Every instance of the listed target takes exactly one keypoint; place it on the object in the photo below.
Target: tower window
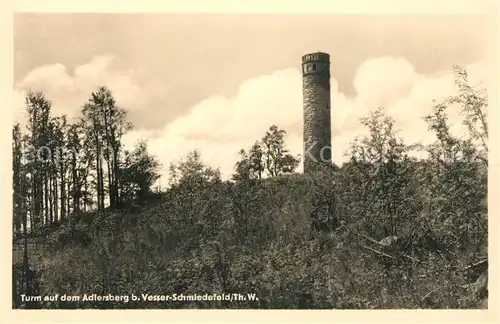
(314, 67)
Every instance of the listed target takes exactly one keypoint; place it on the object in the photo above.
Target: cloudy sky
(217, 82)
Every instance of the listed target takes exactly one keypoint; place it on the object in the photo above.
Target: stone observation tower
(316, 101)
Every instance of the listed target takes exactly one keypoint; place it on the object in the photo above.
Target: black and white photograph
(250, 161)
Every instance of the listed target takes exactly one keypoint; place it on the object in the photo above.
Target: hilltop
(383, 230)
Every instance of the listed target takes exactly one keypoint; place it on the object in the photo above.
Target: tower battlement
(316, 57)
(316, 63)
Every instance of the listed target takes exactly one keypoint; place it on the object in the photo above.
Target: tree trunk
(100, 182)
(38, 200)
(75, 182)
(46, 197)
(51, 199)
(116, 174)
(63, 192)
(110, 185)
(56, 197)
(69, 208)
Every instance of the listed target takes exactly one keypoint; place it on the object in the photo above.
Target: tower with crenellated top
(316, 101)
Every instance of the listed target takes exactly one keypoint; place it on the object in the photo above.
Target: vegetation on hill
(384, 230)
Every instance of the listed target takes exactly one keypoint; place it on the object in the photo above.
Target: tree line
(61, 167)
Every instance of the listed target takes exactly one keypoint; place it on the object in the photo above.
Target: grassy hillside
(256, 237)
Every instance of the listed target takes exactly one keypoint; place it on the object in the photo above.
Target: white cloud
(382, 81)
(219, 127)
(259, 103)
(68, 92)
